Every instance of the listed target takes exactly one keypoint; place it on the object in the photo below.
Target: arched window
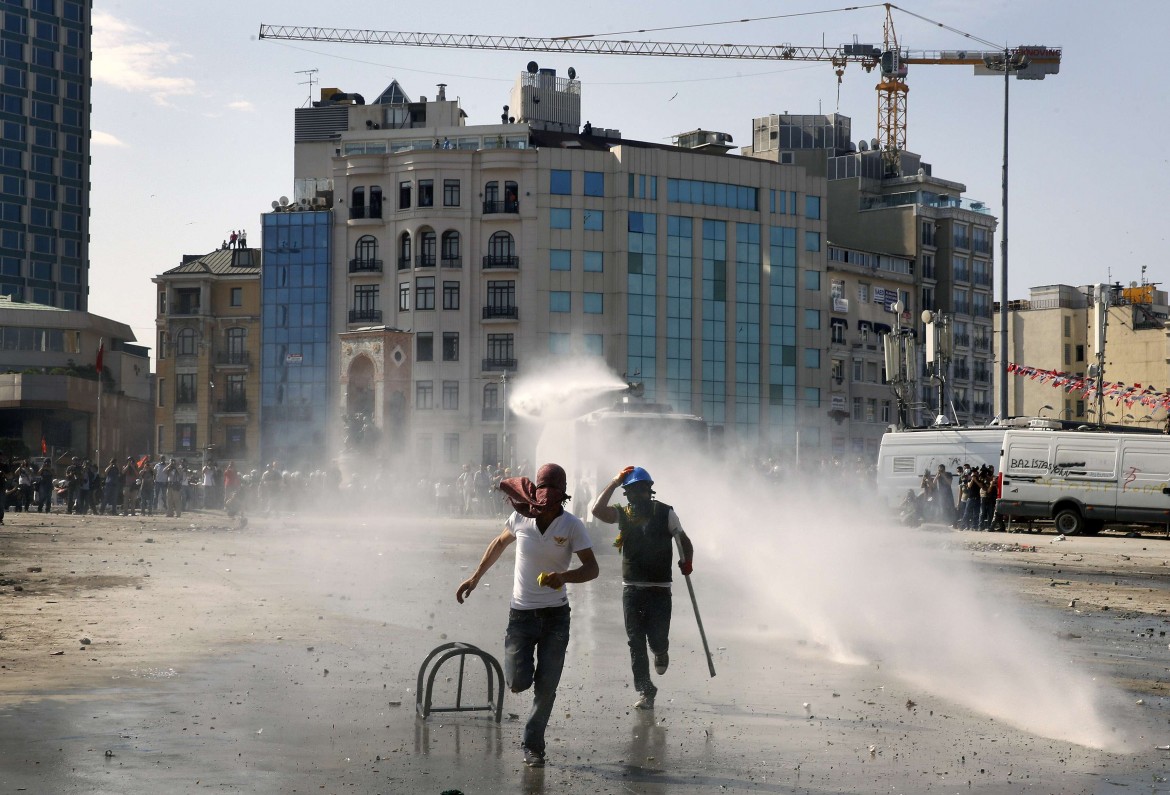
(404, 251)
(452, 258)
(426, 248)
(501, 251)
(511, 197)
(491, 192)
(185, 341)
(365, 253)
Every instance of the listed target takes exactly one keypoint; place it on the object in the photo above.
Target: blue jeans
(544, 631)
(647, 615)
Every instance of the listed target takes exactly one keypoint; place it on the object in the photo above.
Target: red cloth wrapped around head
(528, 498)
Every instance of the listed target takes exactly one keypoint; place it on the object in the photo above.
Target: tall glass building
(295, 374)
(44, 151)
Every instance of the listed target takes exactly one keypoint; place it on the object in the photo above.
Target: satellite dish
(863, 145)
(572, 73)
(927, 316)
(533, 67)
(276, 205)
(284, 201)
(873, 144)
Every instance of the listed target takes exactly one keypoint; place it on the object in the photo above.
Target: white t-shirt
(551, 550)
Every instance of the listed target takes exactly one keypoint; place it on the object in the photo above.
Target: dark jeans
(647, 614)
(546, 632)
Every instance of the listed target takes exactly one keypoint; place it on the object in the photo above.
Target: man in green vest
(647, 530)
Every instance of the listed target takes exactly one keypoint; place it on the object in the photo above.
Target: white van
(905, 455)
(1085, 479)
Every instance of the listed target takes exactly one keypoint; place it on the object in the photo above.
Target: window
(491, 195)
(424, 395)
(185, 389)
(365, 252)
(186, 342)
(812, 241)
(499, 348)
(559, 301)
(501, 297)
(560, 218)
(560, 259)
(450, 295)
(558, 343)
(594, 344)
(560, 182)
(593, 303)
(1067, 326)
(424, 346)
(812, 318)
(812, 207)
(404, 297)
(451, 395)
(858, 371)
(162, 391)
(451, 448)
(426, 193)
(1080, 353)
(862, 293)
(424, 295)
(404, 251)
(404, 195)
(237, 298)
(594, 183)
(812, 358)
(450, 193)
(502, 250)
(838, 371)
(594, 221)
(594, 262)
(426, 249)
(375, 210)
(365, 302)
(185, 438)
(450, 250)
(812, 280)
(450, 346)
(237, 339)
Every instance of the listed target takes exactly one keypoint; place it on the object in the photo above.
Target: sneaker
(533, 758)
(645, 702)
(661, 661)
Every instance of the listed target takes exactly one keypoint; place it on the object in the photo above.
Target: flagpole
(97, 442)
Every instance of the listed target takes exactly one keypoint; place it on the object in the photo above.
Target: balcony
(501, 313)
(492, 414)
(963, 373)
(404, 263)
(982, 344)
(186, 308)
(493, 207)
(490, 365)
(497, 261)
(358, 213)
(982, 375)
(451, 262)
(233, 358)
(365, 316)
(232, 405)
(365, 266)
(186, 397)
(963, 340)
(425, 261)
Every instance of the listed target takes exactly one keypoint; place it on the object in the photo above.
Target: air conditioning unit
(320, 201)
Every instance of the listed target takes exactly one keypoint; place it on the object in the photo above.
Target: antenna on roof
(310, 82)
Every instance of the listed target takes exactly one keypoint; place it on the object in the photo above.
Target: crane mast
(890, 59)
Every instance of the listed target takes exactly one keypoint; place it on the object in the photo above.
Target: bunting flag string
(1089, 388)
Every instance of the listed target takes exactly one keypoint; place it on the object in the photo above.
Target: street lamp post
(507, 456)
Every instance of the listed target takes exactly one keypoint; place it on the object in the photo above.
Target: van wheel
(1069, 521)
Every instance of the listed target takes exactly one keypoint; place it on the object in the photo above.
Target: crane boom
(890, 59)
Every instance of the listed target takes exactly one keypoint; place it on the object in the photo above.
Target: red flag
(101, 354)
(143, 460)
(44, 447)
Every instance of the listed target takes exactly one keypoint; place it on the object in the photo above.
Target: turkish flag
(44, 447)
(101, 354)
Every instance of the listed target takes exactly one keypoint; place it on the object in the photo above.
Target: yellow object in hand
(617, 542)
(542, 579)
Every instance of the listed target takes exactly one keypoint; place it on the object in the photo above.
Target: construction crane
(890, 59)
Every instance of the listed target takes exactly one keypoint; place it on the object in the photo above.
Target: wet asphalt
(324, 700)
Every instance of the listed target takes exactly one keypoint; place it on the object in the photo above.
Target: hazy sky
(192, 114)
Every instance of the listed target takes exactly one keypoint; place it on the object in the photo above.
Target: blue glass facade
(44, 152)
(641, 317)
(782, 413)
(294, 376)
(714, 374)
(747, 328)
(680, 244)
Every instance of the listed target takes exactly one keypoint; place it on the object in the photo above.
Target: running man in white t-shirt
(547, 536)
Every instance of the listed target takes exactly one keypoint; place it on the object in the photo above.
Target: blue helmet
(639, 475)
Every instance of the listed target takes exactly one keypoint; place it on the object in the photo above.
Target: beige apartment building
(1058, 329)
(501, 247)
(207, 379)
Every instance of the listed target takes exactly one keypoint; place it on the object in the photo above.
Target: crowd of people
(936, 502)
